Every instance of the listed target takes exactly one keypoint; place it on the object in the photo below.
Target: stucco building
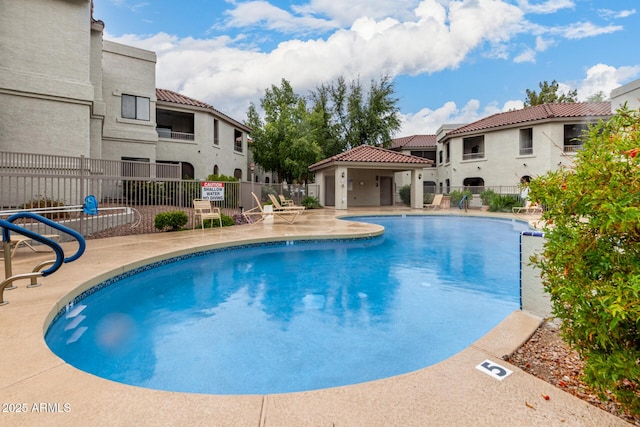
(66, 91)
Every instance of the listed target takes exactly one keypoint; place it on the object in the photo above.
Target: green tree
(281, 142)
(590, 264)
(549, 95)
(353, 116)
(598, 97)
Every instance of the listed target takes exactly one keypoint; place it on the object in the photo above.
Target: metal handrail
(7, 226)
(75, 208)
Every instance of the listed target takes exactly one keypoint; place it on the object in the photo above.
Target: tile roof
(166, 95)
(371, 154)
(538, 113)
(414, 141)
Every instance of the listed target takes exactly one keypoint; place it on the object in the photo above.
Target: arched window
(215, 169)
(238, 174)
(187, 171)
(476, 185)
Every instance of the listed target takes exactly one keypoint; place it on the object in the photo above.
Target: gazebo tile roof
(371, 154)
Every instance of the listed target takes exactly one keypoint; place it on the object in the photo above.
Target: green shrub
(144, 192)
(221, 178)
(486, 196)
(310, 202)
(405, 195)
(172, 221)
(590, 264)
(456, 196)
(504, 202)
(427, 198)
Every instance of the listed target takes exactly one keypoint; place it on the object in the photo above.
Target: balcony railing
(572, 148)
(168, 134)
(471, 156)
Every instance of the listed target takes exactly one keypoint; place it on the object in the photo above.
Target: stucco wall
(629, 93)
(502, 163)
(45, 89)
(130, 71)
(533, 298)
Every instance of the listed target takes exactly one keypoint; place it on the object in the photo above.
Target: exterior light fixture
(343, 174)
(419, 176)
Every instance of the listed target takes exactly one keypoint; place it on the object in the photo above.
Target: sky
(451, 61)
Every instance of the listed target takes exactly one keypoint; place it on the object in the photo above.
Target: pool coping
(452, 392)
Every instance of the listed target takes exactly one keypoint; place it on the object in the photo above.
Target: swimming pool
(293, 316)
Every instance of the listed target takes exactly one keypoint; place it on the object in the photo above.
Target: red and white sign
(213, 191)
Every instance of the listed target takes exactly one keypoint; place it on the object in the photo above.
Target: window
(526, 141)
(473, 148)
(572, 135)
(216, 132)
(430, 154)
(237, 138)
(135, 107)
(440, 160)
(475, 185)
(448, 153)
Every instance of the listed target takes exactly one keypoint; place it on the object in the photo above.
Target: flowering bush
(590, 264)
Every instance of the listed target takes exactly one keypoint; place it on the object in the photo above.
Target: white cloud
(428, 121)
(347, 12)
(608, 13)
(582, 30)
(217, 72)
(604, 78)
(549, 6)
(528, 55)
(438, 35)
(543, 44)
(264, 15)
(133, 6)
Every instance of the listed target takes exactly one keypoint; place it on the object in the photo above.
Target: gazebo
(364, 176)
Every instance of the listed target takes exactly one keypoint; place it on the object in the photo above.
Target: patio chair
(528, 208)
(435, 203)
(288, 213)
(285, 202)
(255, 214)
(19, 241)
(202, 209)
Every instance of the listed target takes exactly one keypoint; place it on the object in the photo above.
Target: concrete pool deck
(39, 389)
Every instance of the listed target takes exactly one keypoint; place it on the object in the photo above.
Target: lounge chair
(18, 241)
(528, 208)
(202, 209)
(255, 214)
(288, 213)
(285, 202)
(435, 204)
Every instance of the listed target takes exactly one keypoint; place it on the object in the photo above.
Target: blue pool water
(300, 315)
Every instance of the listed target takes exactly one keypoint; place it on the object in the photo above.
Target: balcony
(169, 134)
(472, 156)
(572, 148)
